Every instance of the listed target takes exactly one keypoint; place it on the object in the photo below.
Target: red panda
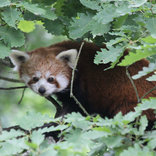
(48, 71)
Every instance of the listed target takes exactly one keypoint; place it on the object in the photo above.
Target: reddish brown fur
(105, 92)
(38, 63)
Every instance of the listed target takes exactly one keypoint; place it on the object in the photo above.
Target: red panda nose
(41, 90)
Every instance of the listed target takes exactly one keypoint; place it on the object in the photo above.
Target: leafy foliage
(115, 23)
(120, 25)
(105, 56)
(84, 23)
(11, 16)
(140, 54)
(83, 135)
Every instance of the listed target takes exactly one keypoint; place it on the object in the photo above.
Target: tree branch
(10, 80)
(132, 82)
(151, 90)
(72, 81)
(19, 102)
(17, 127)
(12, 88)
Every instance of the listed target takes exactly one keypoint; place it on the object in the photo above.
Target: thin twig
(72, 81)
(10, 80)
(12, 88)
(19, 102)
(151, 90)
(136, 92)
(132, 82)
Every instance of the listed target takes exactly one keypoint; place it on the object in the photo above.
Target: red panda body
(104, 92)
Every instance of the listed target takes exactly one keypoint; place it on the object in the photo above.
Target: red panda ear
(18, 57)
(69, 56)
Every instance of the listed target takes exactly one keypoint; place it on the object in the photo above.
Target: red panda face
(43, 71)
(46, 84)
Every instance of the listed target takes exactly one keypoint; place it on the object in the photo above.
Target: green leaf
(115, 41)
(49, 14)
(147, 104)
(54, 27)
(106, 15)
(152, 78)
(78, 140)
(137, 151)
(151, 26)
(113, 141)
(39, 10)
(31, 145)
(140, 54)
(104, 128)
(37, 137)
(32, 120)
(143, 124)
(150, 135)
(107, 56)
(4, 50)
(13, 146)
(58, 6)
(137, 3)
(50, 151)
(145, 71)
(99, 29)
(26, 26)
(131, 116)
(109, 12)
(84, 23)
(149, 39)
(78, 121)
(4, 3)
(119, 21)
(12, 37)
(6, 135)
(152, 143)
(11, 16)
(33, 8)
(52, 128)
(94, 5)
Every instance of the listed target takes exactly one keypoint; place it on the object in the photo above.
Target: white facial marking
(63, 82)
(50, 88)
(38, 74)
(47, 74)
(25, 78)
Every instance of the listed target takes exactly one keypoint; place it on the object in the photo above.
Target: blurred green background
(10, 109)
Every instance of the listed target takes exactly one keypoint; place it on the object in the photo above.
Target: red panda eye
(35, 79)
(50, 79)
